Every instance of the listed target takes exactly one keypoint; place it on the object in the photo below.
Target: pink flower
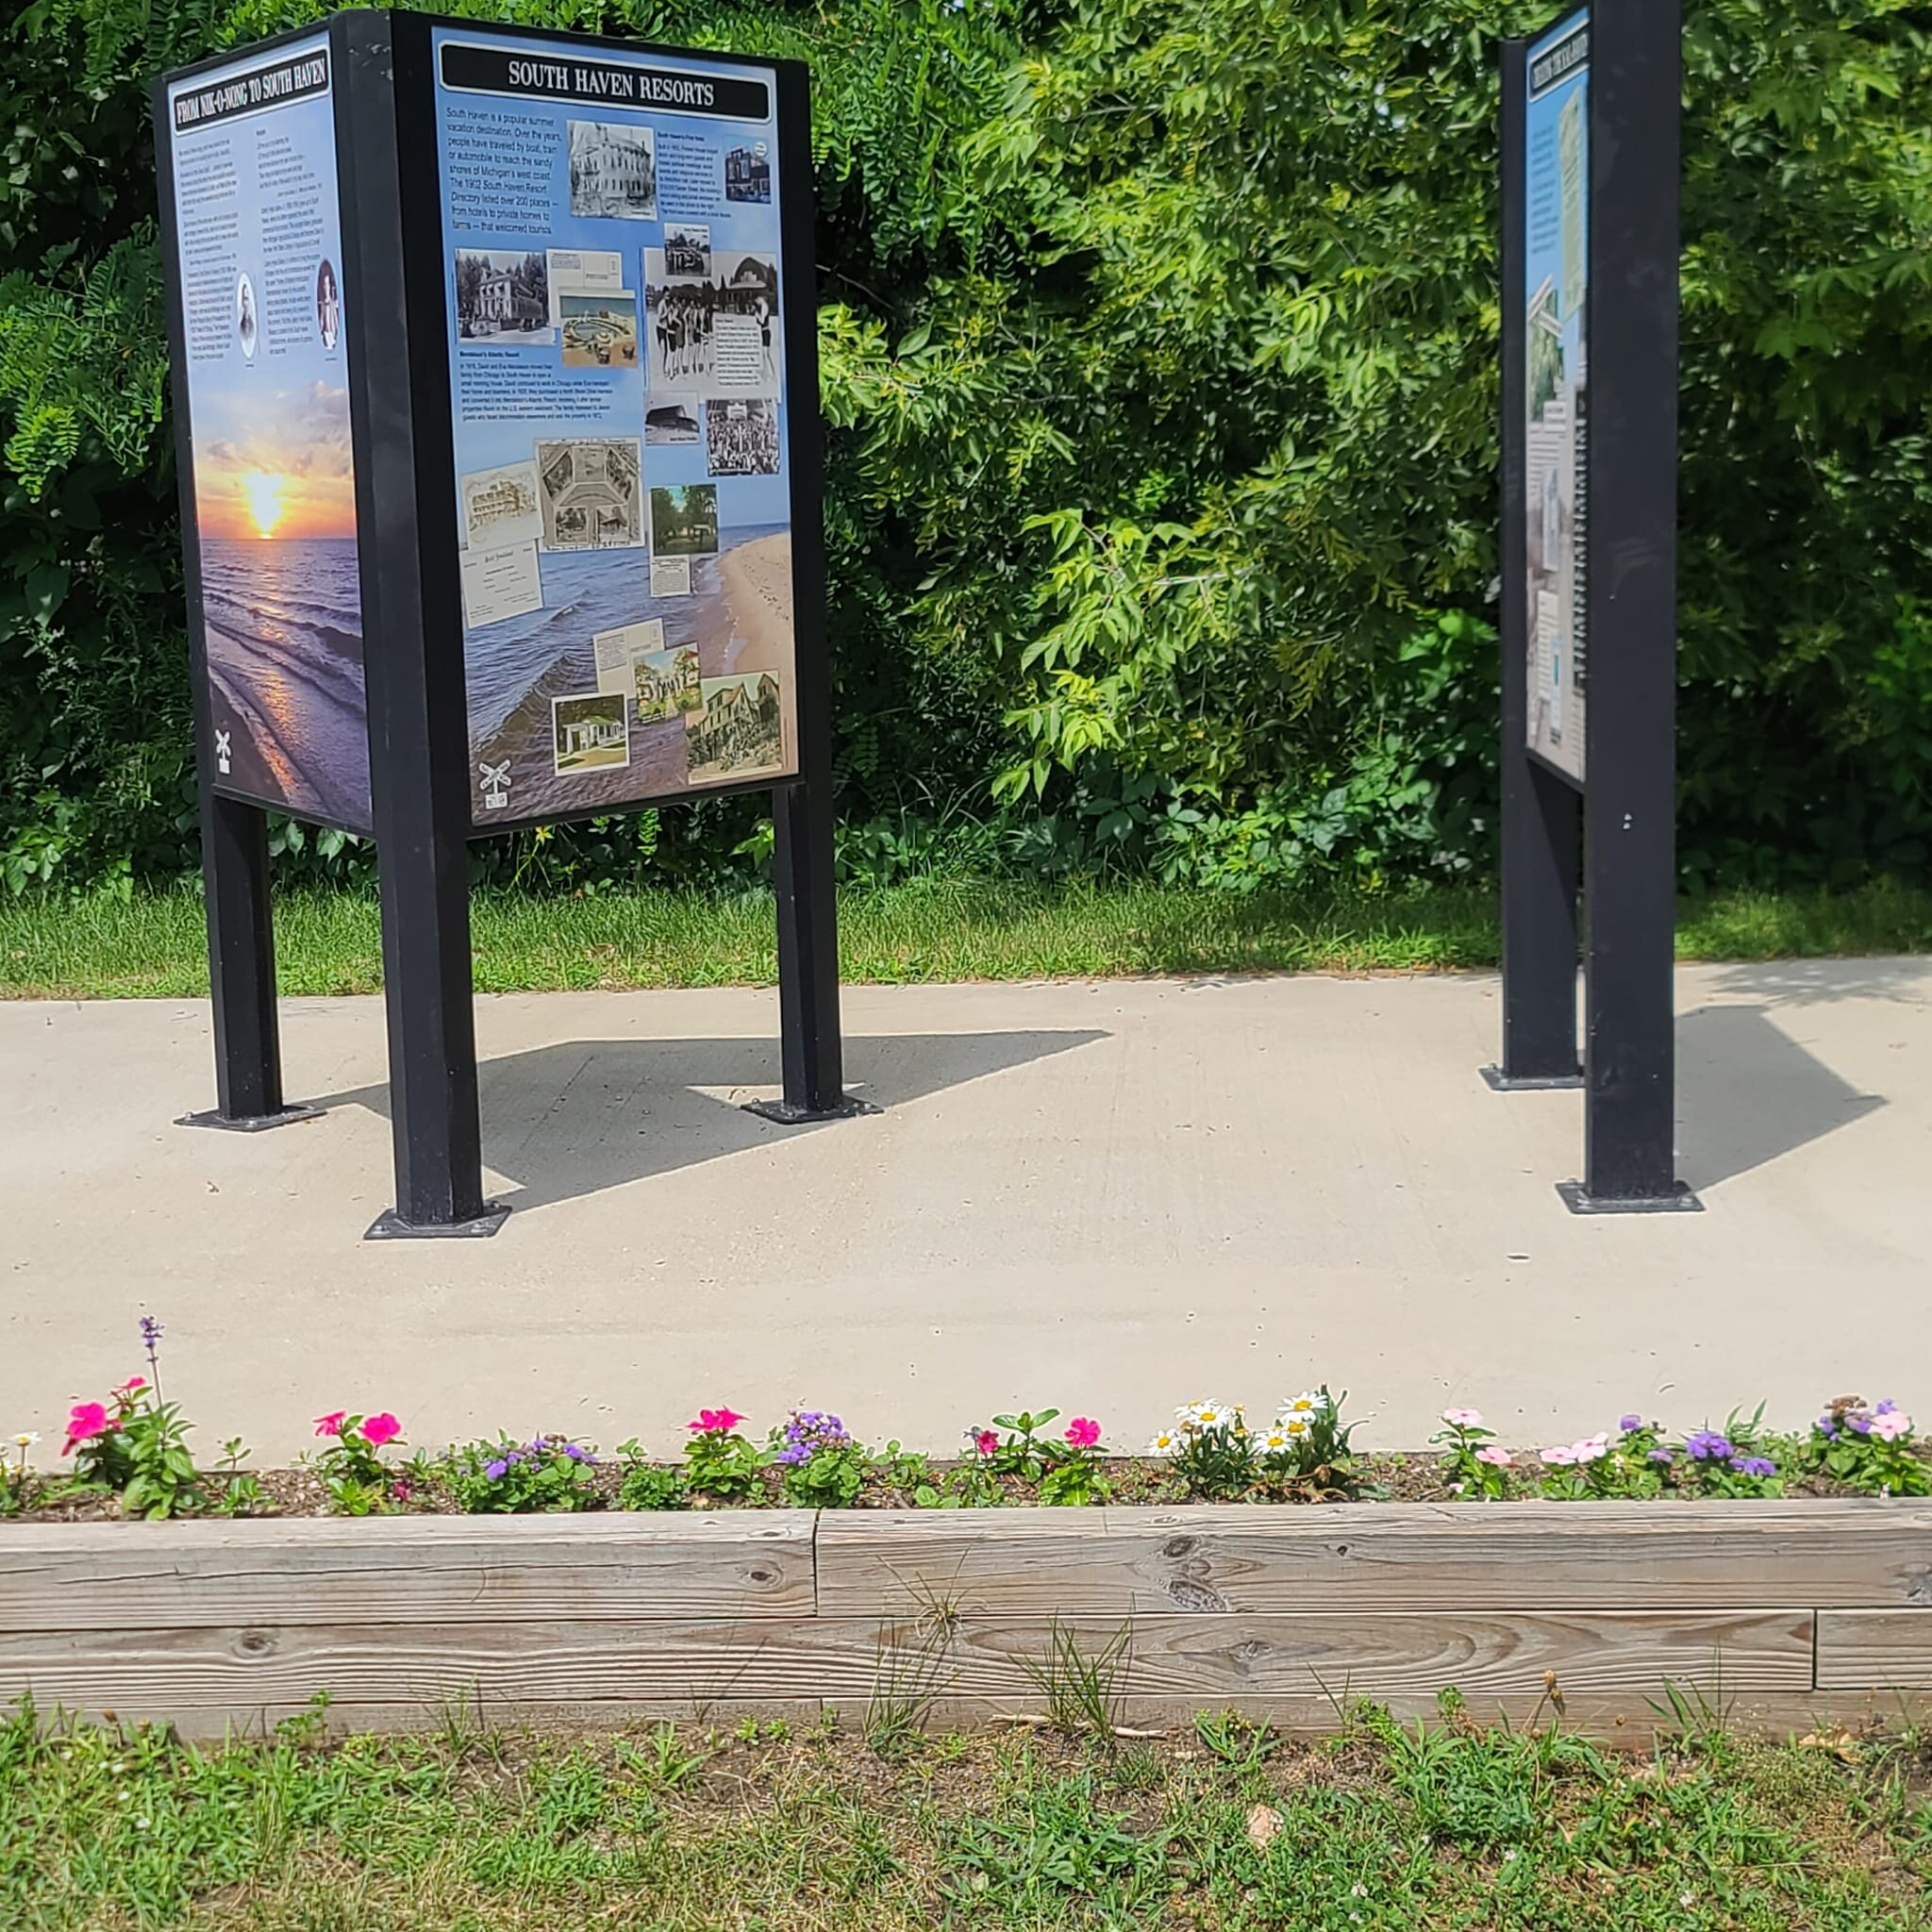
(85, 1421)
(1892, 1426)
(1494, 1454)
(378, 1430)
(1592, 1449)
(1561, 1456)
(1463, 1418)
(986, 1441)
(715, 1421)
(401, 1490)
(129, 1386)
(330, 1424)
(1082, 1432)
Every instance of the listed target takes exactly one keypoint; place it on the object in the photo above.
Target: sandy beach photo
(756, 581)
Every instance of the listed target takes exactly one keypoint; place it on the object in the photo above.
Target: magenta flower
(986, 1441)
(1083, 1432)
(330, 1424)
(85, 1421)
(378, 1430)
(715, 1421)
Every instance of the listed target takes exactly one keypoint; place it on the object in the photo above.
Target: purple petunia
(1662, 1456)
(1630, 1424)
(496, 1470)
(1706, 1446)
(1754, 1465)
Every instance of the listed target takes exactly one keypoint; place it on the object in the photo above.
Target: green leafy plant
(135, 1444)
(1870, 1447)
(1074, 1475)
(1307, 1445)
(820, 1465)
(359, 1481)
(719, 1463)
(1013, 1446)
(508, 1478)
(646, 1484)
(1474, 1462)
(1212, 1450)
(909, 1473)
(1732, 1461)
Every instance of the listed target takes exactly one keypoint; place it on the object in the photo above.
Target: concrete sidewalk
(1110, 1197)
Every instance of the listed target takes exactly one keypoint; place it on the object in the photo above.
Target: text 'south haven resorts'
(618, 387)
(1556, 391)
(265, 379)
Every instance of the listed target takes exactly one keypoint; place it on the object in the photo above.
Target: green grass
(1220, 1829)
(937, 929)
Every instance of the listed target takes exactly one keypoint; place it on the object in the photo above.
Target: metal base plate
(390, 1226)
(1530, 1083)
(1679, 1201)
(251, 1123)
(849, 1107)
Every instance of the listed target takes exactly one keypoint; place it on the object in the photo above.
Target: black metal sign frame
(1622, 815)
(397, 331)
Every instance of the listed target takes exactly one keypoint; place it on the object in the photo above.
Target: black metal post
(1630, 799)
(812, 1046)
(241, 970)
(405, 491)
(1540, 822)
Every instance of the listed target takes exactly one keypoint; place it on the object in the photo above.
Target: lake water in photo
(283, 620)
(515, 667)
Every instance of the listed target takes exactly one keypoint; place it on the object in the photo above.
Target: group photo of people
(685, 312)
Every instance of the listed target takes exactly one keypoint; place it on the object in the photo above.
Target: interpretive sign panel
(610, 229)
(264, 382)
(1555, 213)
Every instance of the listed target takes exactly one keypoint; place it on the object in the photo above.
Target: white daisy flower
(1294, 1426)
(1275, 1440)
(1208, 1415)
(25, 1440)
(1165, 1442)
(1310, 1402)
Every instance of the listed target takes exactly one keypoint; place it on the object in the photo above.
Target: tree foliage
(1160, 344)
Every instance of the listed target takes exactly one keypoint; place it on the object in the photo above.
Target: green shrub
(1159, 347)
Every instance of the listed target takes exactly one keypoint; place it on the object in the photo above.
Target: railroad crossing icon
(221, 752)
(495, 780)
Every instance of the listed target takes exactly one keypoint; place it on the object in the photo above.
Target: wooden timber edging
(1787, 1615)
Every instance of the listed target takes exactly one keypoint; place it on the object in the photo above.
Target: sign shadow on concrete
(1749, 1093)
(580, 1116)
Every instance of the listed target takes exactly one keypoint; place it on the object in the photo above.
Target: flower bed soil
(1390, 1477)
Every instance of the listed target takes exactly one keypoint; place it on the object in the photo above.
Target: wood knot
(1188, 1593)
(1180, 1546)
(254, 1642)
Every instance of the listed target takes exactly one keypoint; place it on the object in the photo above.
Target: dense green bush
(1159, 344)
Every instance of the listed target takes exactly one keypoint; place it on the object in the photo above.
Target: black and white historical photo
(589, 490)
(613, 171)
(741, 435)
(503, 295)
